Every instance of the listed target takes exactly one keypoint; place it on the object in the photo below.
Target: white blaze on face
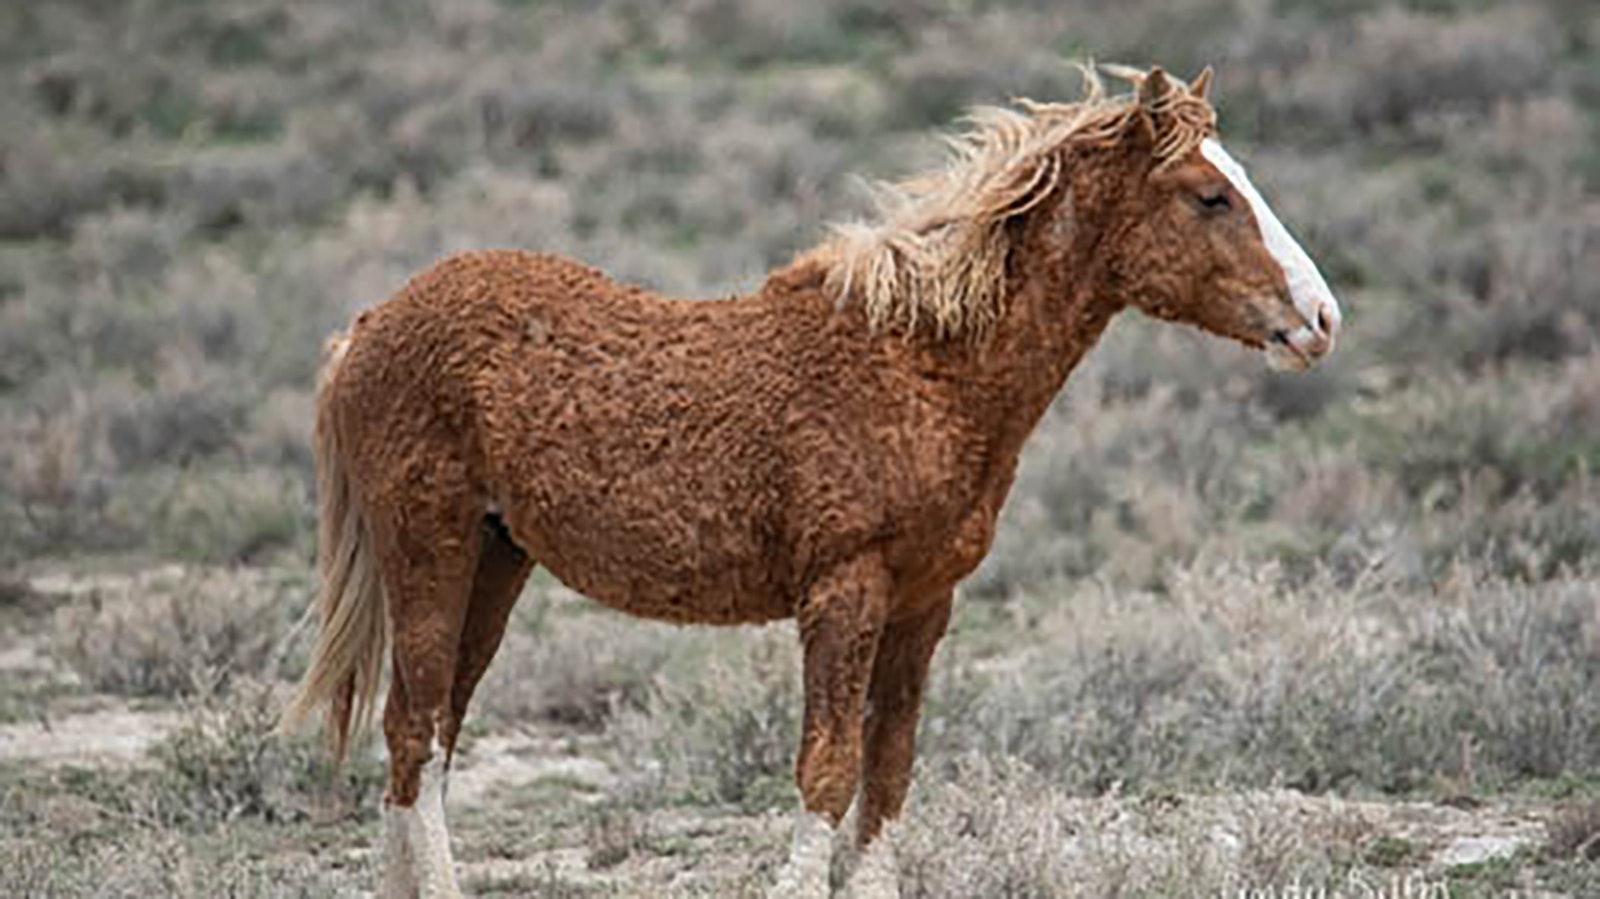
(1306, 286)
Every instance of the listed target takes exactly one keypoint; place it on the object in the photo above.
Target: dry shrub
(1485, 468)
(44, 193)
(264, 188)
(525, 110)
(48, 453)
(127, 245)
(721, 723)
(1394, 68)
(1575, 833)
(565, 660)
(1449, 466)
(756, 32)
(140, 862)
(1514, 666)
(208, 817)
(1236, 677)
(230, 515)
(171, 631)
(982, 828)
(1114, 484)
(613, 833)
(187, 418)
(280, 430)
(227, 761)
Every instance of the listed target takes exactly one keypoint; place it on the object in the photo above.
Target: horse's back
(650, 452)
(632, 442)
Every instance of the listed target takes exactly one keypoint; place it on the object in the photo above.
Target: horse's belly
(666, 566)
(655, 514)
(687, 594)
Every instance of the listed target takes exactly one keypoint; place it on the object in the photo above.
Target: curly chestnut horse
(834, 447)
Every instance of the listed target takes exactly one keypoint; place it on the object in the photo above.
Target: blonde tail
(347, 665)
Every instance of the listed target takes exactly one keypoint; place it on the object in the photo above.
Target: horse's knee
(405, 773)
(827, 774)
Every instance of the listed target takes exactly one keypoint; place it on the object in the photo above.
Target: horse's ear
(1201, 85)
(1153, 88)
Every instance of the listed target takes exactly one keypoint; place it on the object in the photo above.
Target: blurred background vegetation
(1379, 576)
(193, 194)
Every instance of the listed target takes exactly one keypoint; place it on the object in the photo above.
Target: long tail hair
(347, 665)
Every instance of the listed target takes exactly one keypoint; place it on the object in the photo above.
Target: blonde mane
(936, 256)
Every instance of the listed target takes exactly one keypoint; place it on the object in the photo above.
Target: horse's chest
(935, 568)
(967, 548)
(934, 564)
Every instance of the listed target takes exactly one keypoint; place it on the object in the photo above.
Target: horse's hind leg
(503, 569)
(428, 553)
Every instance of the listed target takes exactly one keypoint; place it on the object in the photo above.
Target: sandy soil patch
(111, 736)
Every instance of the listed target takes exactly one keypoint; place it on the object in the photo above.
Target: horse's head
(1207, 249)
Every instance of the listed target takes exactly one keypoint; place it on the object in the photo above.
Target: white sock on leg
(806, 874)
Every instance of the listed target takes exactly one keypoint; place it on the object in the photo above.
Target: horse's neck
(1061, 296)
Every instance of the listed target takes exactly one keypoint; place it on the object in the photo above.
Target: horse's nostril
(1323, 325)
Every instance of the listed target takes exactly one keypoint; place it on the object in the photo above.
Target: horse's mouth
(1285, 355)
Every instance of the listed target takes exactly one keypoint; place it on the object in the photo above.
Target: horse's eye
(1216, 202)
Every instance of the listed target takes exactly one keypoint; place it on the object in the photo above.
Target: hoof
(876, 874)
(794, 884)
(806, 874)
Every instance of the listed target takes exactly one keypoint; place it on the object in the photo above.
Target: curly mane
(935, 257)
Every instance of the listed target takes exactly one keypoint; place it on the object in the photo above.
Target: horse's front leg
(841, 620)
(894, 702)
